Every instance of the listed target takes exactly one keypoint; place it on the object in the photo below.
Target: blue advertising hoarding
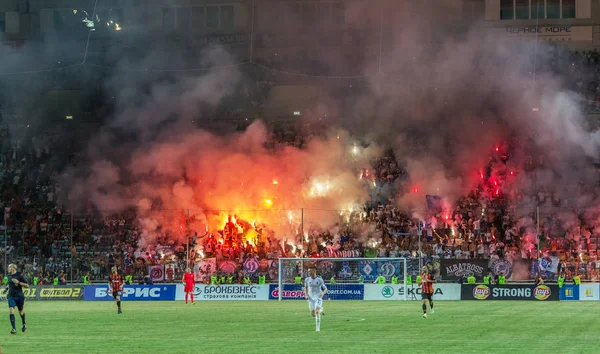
(334, 292)
(159, 292)
(569, 292)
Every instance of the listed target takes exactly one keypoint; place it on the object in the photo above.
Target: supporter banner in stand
(370, 270)
(334, 292)
(569, 292)
(161, 292)
(547, 266)
(501, 266)
(51, 293)
(510, 292)
(589, 292)
(458, 269)
(227, 267)
(225, 292)
(397, 291)
(157, 272)
(251, 266)
(170, 272)
(205, 267)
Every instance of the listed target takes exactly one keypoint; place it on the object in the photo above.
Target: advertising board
(226, 292)
(569, 292)
(510, 292)
(397, 291)
(589, 292)
(334, 292)
(51, 293)
(159, 292)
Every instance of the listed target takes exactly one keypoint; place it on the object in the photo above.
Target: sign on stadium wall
(397, 291)
(569, 292)
(510, 292)
(589, 292)
(334, 292)
(554, 33)
(226, 292)
(457, 269)
(159, 292)
(51, 293)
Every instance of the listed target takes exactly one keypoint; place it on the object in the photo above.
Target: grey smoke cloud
(458, 97)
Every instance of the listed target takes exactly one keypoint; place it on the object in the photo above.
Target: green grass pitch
(287, 327)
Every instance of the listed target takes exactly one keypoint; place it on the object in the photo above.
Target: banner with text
(334, 292)
(160, 292)
(225, 292)
(510, 292)
(554, 33)
(460, 269)
(51, 293)
(397, 291)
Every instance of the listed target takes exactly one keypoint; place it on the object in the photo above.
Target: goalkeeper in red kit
(189, 282)
(115, 285)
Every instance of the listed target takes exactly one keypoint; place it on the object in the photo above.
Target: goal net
(345, 278)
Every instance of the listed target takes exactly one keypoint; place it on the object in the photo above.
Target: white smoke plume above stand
(445, 105)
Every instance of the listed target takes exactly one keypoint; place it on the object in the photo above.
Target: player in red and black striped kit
(427, 290)
(115, 285)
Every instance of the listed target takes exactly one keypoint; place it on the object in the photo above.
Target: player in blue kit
(15, 296)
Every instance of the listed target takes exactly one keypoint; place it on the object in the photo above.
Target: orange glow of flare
(268, 202)
(275, 182)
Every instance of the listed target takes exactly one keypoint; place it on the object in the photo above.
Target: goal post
(344, 277)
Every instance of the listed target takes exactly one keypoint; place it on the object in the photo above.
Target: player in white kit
(315, 289)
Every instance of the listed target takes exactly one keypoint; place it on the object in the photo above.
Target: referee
(15, 297)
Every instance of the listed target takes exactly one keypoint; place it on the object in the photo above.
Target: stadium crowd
(39, 233)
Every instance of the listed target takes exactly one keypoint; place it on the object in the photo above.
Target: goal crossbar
(385, 267)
